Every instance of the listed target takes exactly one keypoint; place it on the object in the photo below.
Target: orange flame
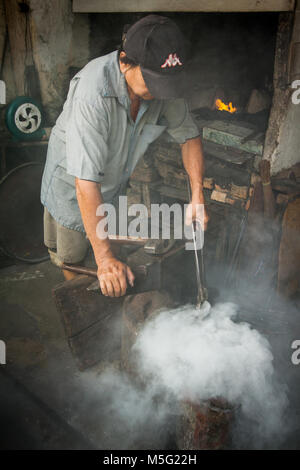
(225, 107)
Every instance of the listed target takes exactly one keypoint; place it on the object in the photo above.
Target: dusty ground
(44, 401)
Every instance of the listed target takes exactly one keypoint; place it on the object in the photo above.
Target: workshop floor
(45, 402)
(44, 399)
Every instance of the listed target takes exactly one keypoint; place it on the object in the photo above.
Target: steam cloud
(183, 356)
(198, 359)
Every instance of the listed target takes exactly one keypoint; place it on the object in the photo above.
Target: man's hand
(113, 276)
(193, 212)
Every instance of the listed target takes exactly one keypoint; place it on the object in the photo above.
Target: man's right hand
(113, 276)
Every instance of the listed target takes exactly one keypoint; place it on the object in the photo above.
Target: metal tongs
(202, 294)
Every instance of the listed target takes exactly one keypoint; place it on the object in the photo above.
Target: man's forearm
(193, 161)
(89, 198)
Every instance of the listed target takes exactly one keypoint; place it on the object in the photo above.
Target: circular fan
(24, 118)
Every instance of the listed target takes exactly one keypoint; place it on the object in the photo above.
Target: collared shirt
(95, 138)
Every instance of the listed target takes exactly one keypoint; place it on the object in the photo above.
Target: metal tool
(200, 276)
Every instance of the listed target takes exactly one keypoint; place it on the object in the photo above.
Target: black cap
(158, 46)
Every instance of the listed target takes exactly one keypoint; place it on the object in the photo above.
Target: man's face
(134, 79)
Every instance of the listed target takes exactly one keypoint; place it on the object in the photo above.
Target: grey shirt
(95, 138)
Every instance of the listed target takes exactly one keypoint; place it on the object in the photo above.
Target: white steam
(198, 359)
(181, 354)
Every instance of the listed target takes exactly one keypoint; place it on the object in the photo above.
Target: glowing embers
(225, 107)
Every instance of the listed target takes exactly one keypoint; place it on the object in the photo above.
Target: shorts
(64, 245)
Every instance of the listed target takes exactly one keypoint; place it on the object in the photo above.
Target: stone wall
(60, 40)
(50, 40)
(287, 153)
(282, 144)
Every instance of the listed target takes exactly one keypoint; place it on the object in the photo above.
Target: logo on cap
(171, 61)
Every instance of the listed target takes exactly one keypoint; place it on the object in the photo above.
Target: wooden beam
(2, 31)
(16, 25)
(110, 6)
(282, 90)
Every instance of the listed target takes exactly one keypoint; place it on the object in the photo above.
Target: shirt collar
(115, 83)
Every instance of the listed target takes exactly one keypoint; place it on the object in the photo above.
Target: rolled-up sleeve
(180, 124)
(86, 141)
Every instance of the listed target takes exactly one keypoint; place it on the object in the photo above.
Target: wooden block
(164, 168)
(224, 188)
(133, 197)
(135, 185)
(232, 135)
(172, 175)
(230, 200)
(102, 6)
(219, 196)
(145, 175)
(92, 322)
(225, 174)
(240, 192)
(177, 179)
(208, 183)
(168, 152)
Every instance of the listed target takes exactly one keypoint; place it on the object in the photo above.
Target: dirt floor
(43, 399)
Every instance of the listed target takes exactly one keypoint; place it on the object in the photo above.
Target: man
(116, 106)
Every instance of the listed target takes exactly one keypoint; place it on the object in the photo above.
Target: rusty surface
(204, 426)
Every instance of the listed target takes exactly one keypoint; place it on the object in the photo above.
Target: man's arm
(193, 161)
(112, 273)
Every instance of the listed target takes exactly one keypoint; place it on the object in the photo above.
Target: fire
(225, 107)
